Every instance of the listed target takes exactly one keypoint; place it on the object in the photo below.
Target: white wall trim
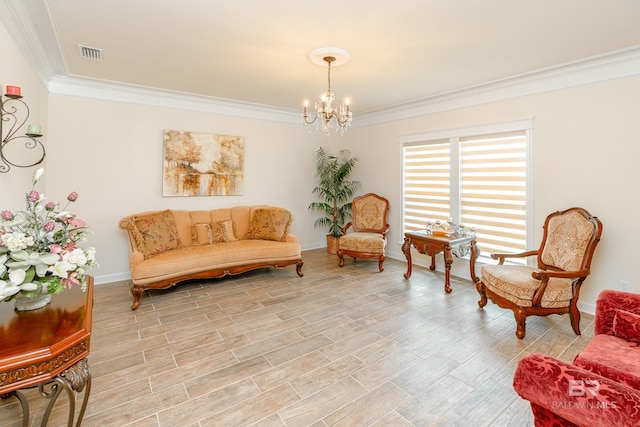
(613, 65)
(109, 91)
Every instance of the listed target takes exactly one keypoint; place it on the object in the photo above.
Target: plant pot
(23, 303)
(332, 244)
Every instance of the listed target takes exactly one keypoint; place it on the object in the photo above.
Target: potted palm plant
(335, 191)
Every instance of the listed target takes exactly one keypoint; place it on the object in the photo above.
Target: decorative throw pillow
(218, 232)
(201, 233)
(626, 325)
(230, 230)
(155, 233)
(270, 224)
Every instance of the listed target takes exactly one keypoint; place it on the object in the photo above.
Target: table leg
(406, 250)
(472, 261)
(432, 267)
(448, 260)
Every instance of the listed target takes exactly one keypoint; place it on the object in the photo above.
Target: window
(477, 177)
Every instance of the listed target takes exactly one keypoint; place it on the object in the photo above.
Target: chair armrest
(344, 229)
(608, 303)
(575, 394)
(542, 274)
(384, 231)
(501, 256)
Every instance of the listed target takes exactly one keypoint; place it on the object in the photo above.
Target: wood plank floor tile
(339, 346)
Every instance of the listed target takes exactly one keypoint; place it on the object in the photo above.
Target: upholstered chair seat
(553, 287)
(516, 284)
(368, 238)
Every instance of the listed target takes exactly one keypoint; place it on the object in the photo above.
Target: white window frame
(455, 134)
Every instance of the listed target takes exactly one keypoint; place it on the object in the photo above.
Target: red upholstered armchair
(602, 386)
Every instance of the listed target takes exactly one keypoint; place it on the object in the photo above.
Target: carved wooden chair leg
(483, 295)
(341, 258)
(521, 323)
(380, 261)
(574, 315)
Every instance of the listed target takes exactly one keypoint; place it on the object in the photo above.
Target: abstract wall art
(201, 164)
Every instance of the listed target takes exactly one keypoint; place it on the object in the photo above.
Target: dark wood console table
(47, 348)
(429, 244)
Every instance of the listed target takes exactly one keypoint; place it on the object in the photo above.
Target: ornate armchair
(564, 259)
(369, 236)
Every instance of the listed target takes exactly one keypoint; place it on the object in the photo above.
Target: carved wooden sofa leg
(299, 265)
(136, 293)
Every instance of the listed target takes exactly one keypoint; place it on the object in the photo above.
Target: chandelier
(329, 114)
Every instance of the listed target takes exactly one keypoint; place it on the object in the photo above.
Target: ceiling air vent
(92, 53)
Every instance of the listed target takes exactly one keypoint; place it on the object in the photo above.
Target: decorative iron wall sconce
(10, 109)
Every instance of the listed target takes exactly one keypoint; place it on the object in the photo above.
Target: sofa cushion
(194, 259)
(612, 357)
(626, 325)
(155, 233)
(269, 224)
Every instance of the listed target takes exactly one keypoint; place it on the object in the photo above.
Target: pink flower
(77, 222)
(72, 197)
(34, 196)
(49, 226)
(69, 282)
(7, 215)
(50, 206)
(55, 248)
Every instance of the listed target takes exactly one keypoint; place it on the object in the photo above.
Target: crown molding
(29, 24)
(610, 66)
(118, 92)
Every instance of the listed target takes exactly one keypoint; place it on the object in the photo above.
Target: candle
(33, 130)
(13, 90)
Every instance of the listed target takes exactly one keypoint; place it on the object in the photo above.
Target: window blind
(485, 174)
(426, 183)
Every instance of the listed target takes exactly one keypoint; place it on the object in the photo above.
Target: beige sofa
(171, 246)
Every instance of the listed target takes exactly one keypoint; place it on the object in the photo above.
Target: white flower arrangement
(39, 250)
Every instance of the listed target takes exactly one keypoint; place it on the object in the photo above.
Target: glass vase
(23, 303)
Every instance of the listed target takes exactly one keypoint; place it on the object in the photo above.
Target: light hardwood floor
(341, 346)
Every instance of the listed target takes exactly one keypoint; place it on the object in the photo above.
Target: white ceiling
(255, 51)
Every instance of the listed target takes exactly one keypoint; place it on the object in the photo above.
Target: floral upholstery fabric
(270, 224)
(607, 306)
(155, 233)
(369, 213)
(613, 358)
(372, 243)
(575, 396)
(626, 325)
(223, 231)
(568, 236)
(601, 387)
(514, 282)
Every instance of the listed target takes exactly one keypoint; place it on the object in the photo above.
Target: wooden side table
(429, 244)
(48, 348)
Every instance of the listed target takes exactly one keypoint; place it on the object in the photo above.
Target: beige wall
(17, 72)
(111, 154)
(585, 151)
